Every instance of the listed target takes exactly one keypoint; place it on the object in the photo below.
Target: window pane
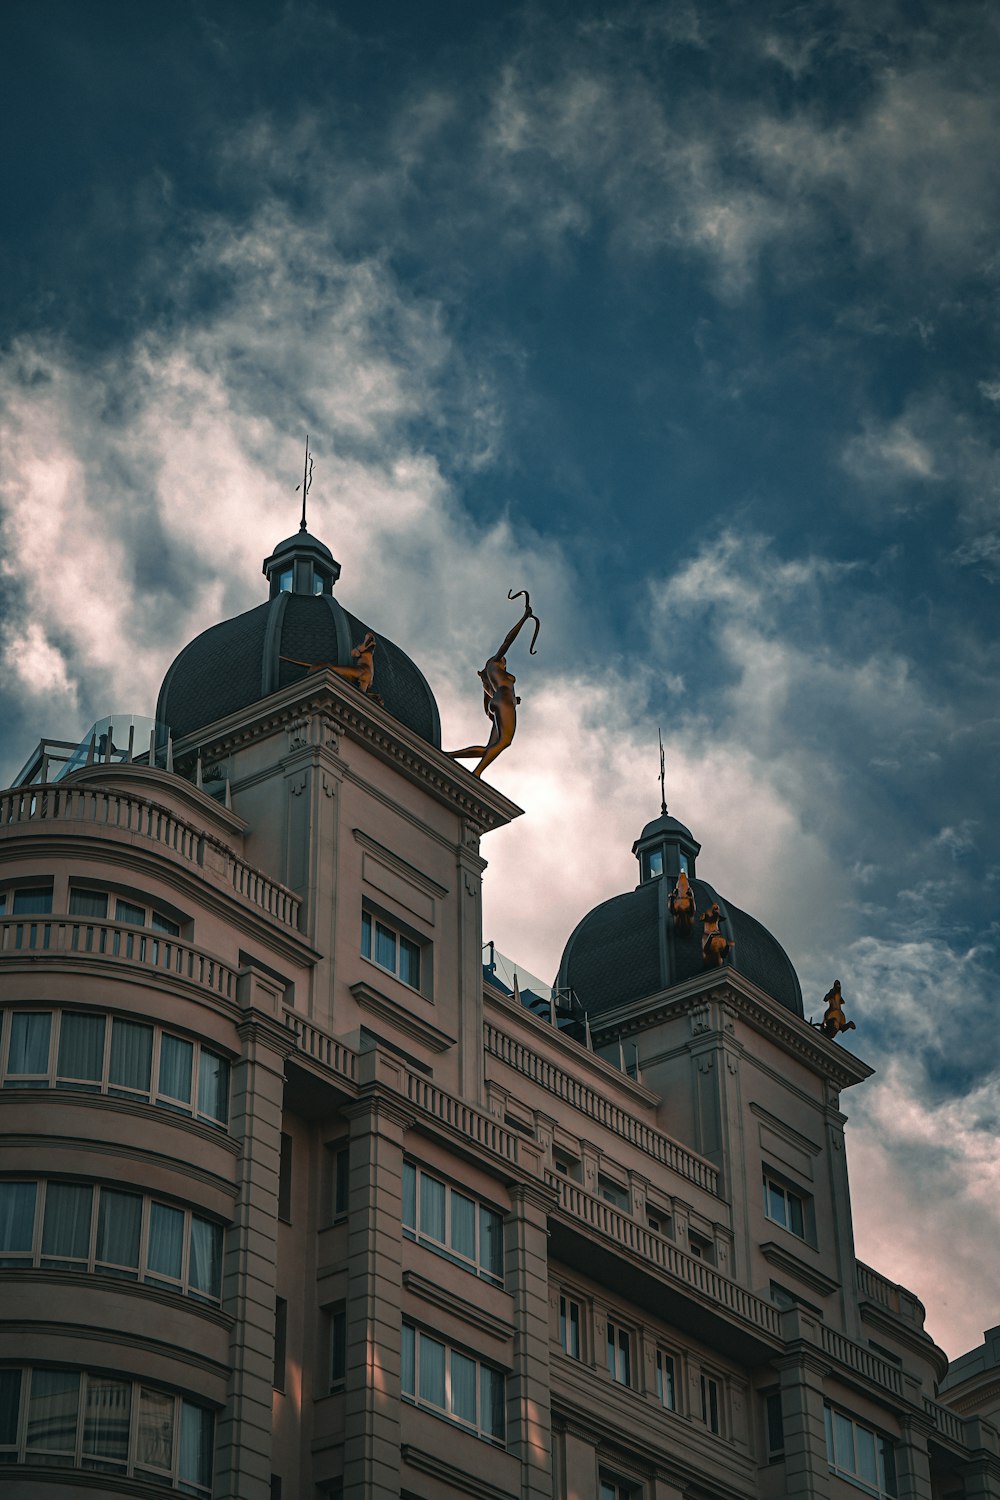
(17, 1220)
(888, 1457)
(66, 1231)
(29, 1042)
(10, 1407)
(125, 911)
(795, 1221)
(81, 1047)
(665, 1387)
(843, 1438)
(131, 1055)
(118, 1223)
(205, 1274)
(463, 1225)
(409, 1380)
(432, 1208)
(775, 1203)
(164, 924)
(194, 1466)
(409, 1195)
(32, 902)
(176, 1062)
(385, 947)
(864, 1442)
(366, 935)
(52, 1414)
(166, 1240)
(409, 962)
(155, 1430)
(463, 1387)
(431, 1372)
(213, 1086)
(88, 904)
(338, 1344)
(490, 1241)
(106, 1413)
(342, 1176)
(491, 1402)
(624, 1358)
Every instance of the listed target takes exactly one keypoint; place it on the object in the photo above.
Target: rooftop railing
(897, 1299)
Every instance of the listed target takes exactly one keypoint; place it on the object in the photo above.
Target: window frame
(412, 1334)
(797, 1205)
(154, 919)
(619, 1340)
(141, 1274)
(713, 1386)
(374, 917)
(886, 1482)
(53, 1078)
(668, 1378)
(475, 1264)
(570, 1303)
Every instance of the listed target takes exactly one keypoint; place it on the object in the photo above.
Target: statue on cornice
(682, 904)
(499, 699)
(715, 945)
(834, 1021)
(361, 675)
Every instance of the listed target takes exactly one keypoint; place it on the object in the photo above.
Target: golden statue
(682, 904)
(361, 676)
(714, 944)
(834, 1021)
(499, 700)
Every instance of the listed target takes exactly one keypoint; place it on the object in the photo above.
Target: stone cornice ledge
(462, 1482)
(397, 1015)
(777, 1255)
(753, 1006)
(343, 710)
(449, 1302)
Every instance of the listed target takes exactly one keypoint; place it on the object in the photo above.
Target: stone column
(243, 1437)
(374, 1299)
(469, 881)
(981, 1476)
(529, 1432)
(807, 1473)
(579, 1466)
(913, 1468)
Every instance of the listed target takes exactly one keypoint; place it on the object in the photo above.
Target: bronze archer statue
(499, 699)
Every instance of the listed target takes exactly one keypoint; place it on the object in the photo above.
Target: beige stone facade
(297, 1202)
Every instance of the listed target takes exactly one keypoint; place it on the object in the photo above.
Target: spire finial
(663, 776)
(306, 485)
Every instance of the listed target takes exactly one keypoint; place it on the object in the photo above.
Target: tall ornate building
(299, 1198)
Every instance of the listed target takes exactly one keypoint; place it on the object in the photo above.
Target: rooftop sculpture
(499, 699)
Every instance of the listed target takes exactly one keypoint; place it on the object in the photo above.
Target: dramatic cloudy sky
(682, 315)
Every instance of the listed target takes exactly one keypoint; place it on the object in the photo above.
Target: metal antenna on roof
(663, 776)
(306, 485)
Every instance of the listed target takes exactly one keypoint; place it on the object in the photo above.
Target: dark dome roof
(666, 824)
(301, 541)
(237, 663)
(628, 948)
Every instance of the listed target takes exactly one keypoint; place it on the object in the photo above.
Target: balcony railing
(323, 1047)
(908, 1308)
(60, 937)
(102, 808)
(947, 1422)
(694, 1274)
(861, 1360)
(591, 1102)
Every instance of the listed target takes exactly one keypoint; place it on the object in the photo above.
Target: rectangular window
(710, 1403)
(775, 1420)
(119, 1223)
(66, 1230)
(165, 1252)
(619, 1354)
(449, 1221)
(194, 1459)
(53, 1414)
(205, 1260)
(88, 904)
(127, 911)
(28, 1050)
(154, 1448)
(131, 1058)
(35, 901)
(454, 1384)
(106, 1419)
(17, 1222)
(10, 1412)
(338, 1344)
(285, 1179)
(666, 1379)
(611, 1192)
(213, 1087)
(280, 1341)
(176, 1067)
(569, 1326)
(783, 1206)
(80, 1061)
(392, 950)
(860, 1455)
(613, 1488)
(341, 1180)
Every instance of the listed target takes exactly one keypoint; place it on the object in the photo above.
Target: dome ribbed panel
(614, 954)
(308, 633)
(401, 684)
(761, 958)
(216, 675)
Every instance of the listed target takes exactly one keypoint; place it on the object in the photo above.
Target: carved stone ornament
(701, 1019)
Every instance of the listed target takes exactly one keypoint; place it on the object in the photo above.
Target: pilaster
(528, 1395)
(913, 1469)
(471, 1061)
(806, 1470)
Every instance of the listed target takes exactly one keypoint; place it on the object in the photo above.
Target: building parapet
(947, 1422)
(591, 1102)
(898, 1299)
(696, 1275)
(66, 937)
(323, 1047)
(862, 1361)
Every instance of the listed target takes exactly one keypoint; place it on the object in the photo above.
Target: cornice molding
(448, 1301)
(387, 1009)
(777, 1255)
(457, 1478)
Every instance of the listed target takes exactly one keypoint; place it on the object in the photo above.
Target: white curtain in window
(88, 904)
(492, 1397)
(29, 1042)
(106, 1412)
(166, 1240)
(409, 1195)
(490, 1241)
(463, 1386)
(66, 1230)
(52, 1414)
(118, 1224)
(432, 1208)
(176, 1061)
(155, 1430)
(205, 1272)
(194, 1464)
(17, 1217)
(463, 1225)
(81, 1047)
(213, 1086)
(131, 1055)
(431, 1371)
